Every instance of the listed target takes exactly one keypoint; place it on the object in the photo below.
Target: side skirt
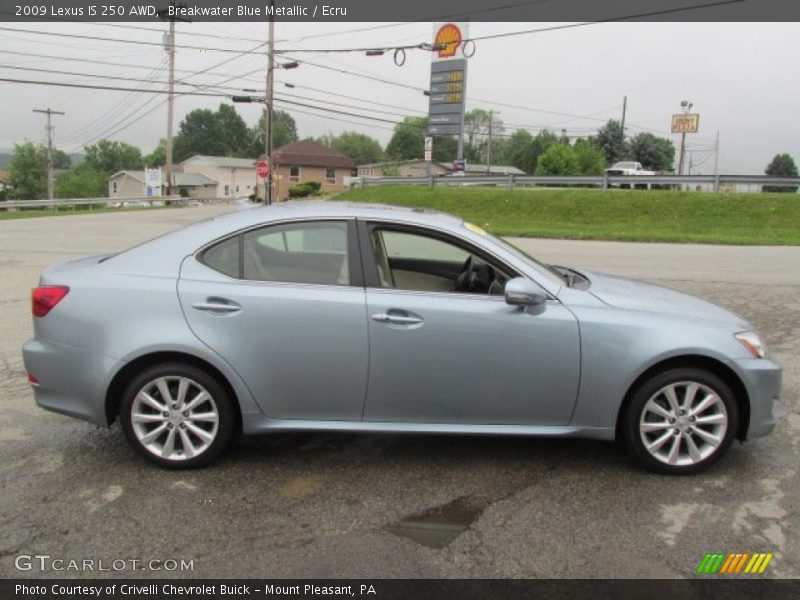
(258, 424)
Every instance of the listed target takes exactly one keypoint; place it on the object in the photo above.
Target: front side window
(419, 261)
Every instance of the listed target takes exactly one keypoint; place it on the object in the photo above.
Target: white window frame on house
(294, 178)
(113, 188)
(227, 190)
(330, 179)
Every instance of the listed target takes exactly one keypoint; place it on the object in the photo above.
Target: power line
(112, 111)
(428, 46)
(107, 87)
(91, 75)
(97, 62)
(121, 41)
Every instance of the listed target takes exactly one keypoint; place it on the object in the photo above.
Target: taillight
(44, 298)
(32, 379)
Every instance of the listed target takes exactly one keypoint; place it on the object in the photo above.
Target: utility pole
(489, 147)
(687, 106)
(268, 100)
(169, 43)
(269, 113)
(624, 111)
(716, 163)
(49, 114)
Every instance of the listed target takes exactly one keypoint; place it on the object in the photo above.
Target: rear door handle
(395, 319)
(217, 305)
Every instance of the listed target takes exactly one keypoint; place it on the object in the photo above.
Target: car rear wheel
(680, 421)
(176, 416)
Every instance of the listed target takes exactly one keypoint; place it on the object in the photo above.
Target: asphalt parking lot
(397, 506)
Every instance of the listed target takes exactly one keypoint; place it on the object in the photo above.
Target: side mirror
(521, 291)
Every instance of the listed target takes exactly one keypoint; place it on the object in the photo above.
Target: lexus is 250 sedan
(329, 316)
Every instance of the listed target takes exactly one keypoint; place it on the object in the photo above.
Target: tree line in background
(224, 133)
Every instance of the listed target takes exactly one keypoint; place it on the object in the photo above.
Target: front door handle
(396, 319)
(217, 305)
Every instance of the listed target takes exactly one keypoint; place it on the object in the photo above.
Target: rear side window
(310, 252)
(224, 257)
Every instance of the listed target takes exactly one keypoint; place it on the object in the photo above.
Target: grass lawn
(28, 213)
(630, 215)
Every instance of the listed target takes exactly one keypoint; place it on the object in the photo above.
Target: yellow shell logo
(450, 35)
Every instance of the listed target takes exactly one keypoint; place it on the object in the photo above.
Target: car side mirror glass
(521, 291)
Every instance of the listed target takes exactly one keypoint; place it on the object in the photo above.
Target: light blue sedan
(329, 316)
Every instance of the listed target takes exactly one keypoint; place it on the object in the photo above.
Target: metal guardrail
(57, 202)
(601, 181)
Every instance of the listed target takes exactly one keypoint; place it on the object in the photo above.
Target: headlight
(753, 344)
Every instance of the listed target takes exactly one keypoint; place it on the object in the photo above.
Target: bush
(301, 190)
(314, 185)
(183, 192)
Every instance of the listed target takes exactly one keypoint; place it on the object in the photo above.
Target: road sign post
(263, 171)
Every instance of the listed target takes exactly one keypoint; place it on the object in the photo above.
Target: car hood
(630, 294)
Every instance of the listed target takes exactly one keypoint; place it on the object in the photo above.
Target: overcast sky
(741, 77)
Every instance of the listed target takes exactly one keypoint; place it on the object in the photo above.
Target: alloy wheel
(683, 423)
(174, 418)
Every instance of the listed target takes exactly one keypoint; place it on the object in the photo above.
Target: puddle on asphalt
(440, 525)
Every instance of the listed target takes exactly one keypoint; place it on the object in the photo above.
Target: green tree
(199, 133)
(284, 131)
(61, 160)
(234, 131)
(108, 157)
(27, 171)
(611, 140)
(81, 181)
(655, 153)
(477, 124)
(216, 133)
(518, 151)
(782, 165)
(408, 142)
(408, 139)
(591, 160)
(158, 157)
(559, 159)
(361, 148)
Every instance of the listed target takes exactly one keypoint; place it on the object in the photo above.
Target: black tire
(632, 435)
(220, 401)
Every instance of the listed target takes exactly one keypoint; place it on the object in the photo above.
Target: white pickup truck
(628, 168)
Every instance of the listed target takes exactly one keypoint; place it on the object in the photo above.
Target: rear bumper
(72, 381)
(763, 379)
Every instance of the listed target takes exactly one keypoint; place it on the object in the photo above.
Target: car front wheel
(176, 416)
(680, 421)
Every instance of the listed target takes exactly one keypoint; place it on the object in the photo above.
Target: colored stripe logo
(734, 563)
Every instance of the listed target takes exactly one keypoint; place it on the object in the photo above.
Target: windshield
(625, 165)
(522, 255)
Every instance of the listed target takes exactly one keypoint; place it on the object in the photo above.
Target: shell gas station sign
(448, 84)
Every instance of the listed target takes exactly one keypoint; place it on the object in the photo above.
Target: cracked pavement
(319, 505)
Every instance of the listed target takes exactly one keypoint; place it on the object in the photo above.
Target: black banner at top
(337, 11)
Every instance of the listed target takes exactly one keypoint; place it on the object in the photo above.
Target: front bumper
(762, 378)
(72, 381)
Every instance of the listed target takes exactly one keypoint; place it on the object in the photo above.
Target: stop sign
(262, 168)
